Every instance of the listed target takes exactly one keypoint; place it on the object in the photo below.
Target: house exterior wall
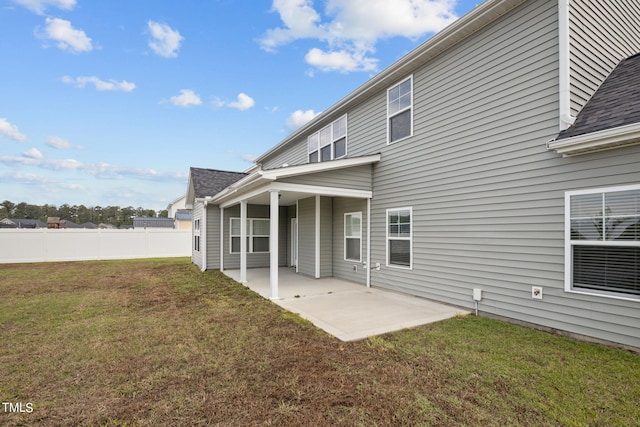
(601, 34)
(326, 236)
(487, 198)
(355, 178)
(212, 231)
(307, 236)
(198, 214)
(295, 154)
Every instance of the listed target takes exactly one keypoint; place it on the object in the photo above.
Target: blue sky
(110, 102)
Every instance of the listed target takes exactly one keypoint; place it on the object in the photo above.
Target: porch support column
(317, 240)
(243, 241)
(221, 239)
(273, 243)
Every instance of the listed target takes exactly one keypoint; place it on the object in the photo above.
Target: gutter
(597, 141)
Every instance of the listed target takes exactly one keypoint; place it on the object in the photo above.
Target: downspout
(221, 239)
(564, 66)
(368, 266)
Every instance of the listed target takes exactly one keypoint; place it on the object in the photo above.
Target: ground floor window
(258, 230)
(196, 235)
(399, 237)
(603, 241)
(353, 236)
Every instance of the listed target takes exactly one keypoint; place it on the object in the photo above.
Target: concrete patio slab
(346, 310)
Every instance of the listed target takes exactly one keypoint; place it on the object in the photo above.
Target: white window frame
(196, 235)
(569, 244)
(359, 237)
(250, 235)
(410, 238)
(315, 144)
(391, 115)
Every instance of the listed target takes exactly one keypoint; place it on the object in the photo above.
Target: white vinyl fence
(27, 245)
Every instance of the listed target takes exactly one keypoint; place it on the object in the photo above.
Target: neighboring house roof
(209, 182)
(152, 222)
(88, 225)
(23, 223)
(183, 216)
(615, 103)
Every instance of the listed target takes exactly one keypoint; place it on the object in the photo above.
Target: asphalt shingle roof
(615, 103)
(209, 182)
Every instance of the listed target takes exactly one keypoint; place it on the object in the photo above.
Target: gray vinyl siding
(356, 178)
(341, 268)
(198, 213)
(602, 33)
(307, 236)
(294, 154)
(213, 237)
(326, 236)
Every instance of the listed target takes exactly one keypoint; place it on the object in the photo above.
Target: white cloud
(299, 118)
(68, 38)
(39, 6)
(10, 131)
(165, 41)
(300, 20)
(342, 61)
(60, 143)
(244, 102)
(351, 28)
(52, 184)
(99, 170)
(33, 153)
(248, 157)
(101, 85)
(186, 98)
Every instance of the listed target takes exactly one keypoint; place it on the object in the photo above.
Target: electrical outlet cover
(536, 292)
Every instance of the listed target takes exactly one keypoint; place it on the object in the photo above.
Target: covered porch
(293, 215)
(346, 310)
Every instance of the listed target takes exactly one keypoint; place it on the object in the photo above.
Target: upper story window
(400, 111)
(328, 143)
(603, 241)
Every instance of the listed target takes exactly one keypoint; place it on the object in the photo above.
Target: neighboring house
(456, 169)
(178, 211)
(153, 222)
(176, 206)
(183, 219)
(22, 223)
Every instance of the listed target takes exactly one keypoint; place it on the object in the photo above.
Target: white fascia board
(284, 172)
(597, 141)
(297, 188)
(320, 190)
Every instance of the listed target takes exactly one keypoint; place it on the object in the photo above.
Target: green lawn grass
(157, 342)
